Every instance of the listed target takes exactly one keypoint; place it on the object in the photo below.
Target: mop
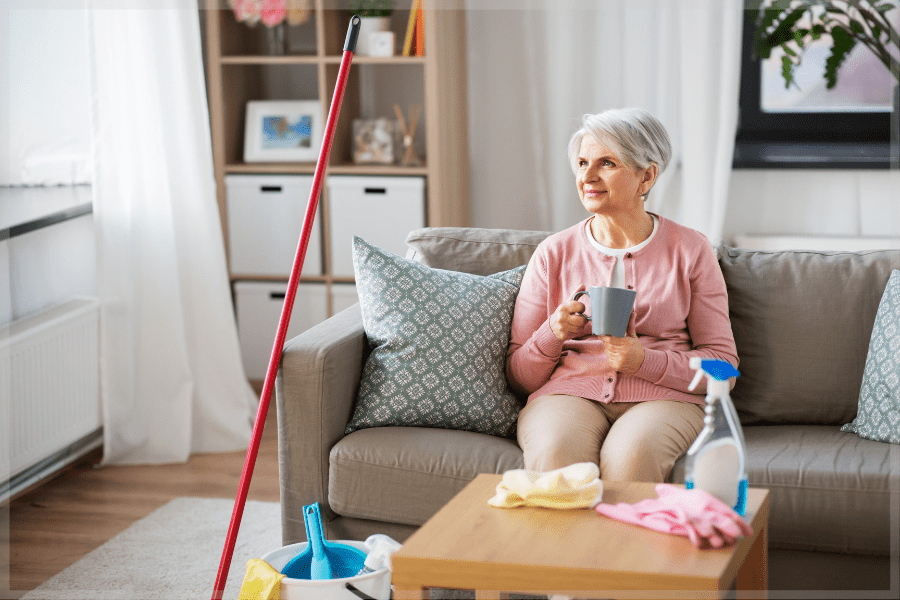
(281, 333)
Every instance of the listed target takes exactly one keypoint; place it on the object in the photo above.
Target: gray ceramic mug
(610, 309)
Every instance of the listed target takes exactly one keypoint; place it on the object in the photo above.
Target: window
(808, 126)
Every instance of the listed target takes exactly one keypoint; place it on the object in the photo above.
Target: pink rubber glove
(695, 514)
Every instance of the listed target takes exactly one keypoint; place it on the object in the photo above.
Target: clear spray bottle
(716, 460)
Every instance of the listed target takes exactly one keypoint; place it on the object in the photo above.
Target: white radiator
(49, 389)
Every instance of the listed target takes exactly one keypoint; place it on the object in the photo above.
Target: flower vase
(276, 39)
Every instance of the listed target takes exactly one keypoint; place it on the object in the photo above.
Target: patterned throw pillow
(438, 340)
(878, 415)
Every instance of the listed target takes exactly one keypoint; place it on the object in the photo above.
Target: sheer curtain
(172, 381)
(679, 59)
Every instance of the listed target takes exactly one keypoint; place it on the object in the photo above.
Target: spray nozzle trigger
(716, 369)
(382, 549)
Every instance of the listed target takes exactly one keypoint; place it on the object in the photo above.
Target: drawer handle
(270, 188)
(277, 295)
(376, 190)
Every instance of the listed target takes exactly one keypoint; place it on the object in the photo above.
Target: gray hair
(633, 133)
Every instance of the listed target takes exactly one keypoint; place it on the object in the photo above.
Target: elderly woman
(621, 403)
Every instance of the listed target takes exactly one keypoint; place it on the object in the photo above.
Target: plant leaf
(856, 27)
(787, 71)
(817, 31)
(843, 44)
(784, 31)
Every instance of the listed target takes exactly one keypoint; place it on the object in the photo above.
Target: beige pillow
(802, 321)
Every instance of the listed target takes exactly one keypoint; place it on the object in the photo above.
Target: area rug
(172, 554)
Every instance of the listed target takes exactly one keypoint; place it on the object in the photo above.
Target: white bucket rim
(299, 546)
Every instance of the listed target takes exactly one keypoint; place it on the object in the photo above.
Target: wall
(814, 202)
(45, 161)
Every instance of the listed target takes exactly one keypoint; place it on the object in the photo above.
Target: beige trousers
(629, 441)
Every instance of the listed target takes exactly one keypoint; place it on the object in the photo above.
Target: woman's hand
(566, 322)
(625, 354)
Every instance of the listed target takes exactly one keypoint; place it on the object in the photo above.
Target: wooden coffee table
(471, 545)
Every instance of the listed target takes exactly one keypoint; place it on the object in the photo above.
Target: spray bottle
(716, 459)
(382, 549)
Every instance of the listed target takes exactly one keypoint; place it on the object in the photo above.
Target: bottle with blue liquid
(716, 460)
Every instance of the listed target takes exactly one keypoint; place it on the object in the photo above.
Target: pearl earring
(643, 196)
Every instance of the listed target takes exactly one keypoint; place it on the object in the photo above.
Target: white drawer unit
(265, 218)
(258, 307)
(381, 210)
(343, 296)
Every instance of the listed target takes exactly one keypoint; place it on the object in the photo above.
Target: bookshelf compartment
(238, 39)
(246, 82)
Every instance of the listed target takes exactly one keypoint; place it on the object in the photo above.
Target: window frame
(856, 140)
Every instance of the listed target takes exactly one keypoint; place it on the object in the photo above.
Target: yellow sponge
(262, 581)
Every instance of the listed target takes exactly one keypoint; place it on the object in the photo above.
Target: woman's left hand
(625, 354)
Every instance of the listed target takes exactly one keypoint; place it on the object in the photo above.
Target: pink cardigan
(681, 310)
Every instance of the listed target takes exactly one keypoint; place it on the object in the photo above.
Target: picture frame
(283, 131)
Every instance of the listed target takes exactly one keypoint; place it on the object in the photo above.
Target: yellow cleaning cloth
(575, 486)
(262, 581)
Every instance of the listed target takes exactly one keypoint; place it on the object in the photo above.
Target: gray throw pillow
(438, 341)
(878, 415)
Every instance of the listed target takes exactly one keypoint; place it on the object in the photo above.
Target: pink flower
(246, 10)
(273, 12)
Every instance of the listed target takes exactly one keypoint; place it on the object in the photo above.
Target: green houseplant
(792, 24)
(371, 8)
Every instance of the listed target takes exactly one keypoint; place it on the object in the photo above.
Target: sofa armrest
(315, 392)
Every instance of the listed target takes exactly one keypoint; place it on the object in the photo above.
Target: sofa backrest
(801, 319)
(473, 250)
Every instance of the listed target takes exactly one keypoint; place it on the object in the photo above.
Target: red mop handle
(281, 334)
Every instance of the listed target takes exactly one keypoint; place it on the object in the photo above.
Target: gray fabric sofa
(802, 322)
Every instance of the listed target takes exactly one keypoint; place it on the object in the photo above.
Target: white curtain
(171, 374)
(679, 59)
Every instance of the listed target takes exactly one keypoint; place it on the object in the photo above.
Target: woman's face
(604, 182)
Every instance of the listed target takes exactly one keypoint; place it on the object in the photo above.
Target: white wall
(502, 148)
(814, 202)
(45, 77)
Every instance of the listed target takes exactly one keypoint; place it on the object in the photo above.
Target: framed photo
(283, 131)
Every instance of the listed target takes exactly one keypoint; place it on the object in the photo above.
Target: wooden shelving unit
(236, 67)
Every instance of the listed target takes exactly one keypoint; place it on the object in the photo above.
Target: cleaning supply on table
(575, 486)
(382, 548)
(695, 514)
(716, 461)
(261, 582)
(322, 559)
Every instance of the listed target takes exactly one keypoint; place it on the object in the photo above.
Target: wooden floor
(68, 517)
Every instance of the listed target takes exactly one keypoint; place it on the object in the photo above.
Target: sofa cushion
(878, 415)
(829, 491)
(473, 250)
(438, 340)
(802, 322)
(406, 474)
